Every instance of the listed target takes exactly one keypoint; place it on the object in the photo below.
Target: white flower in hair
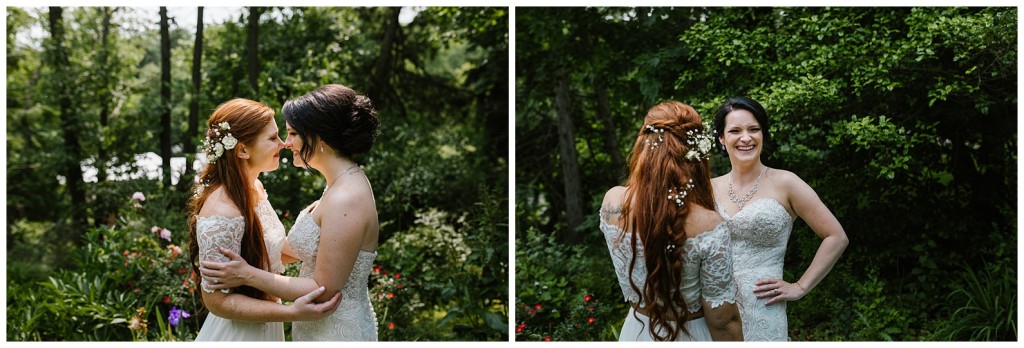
(229, 141)
(225, 126)
(700, 144)
(218, 150)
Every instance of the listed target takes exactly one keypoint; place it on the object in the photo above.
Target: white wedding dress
(218, 231)
(707, 276)
(760, 232)
(355, 319)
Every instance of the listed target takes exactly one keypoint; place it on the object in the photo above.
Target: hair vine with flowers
(700, 142)
(222, 140)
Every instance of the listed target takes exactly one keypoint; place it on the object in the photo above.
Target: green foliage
(561, 288)
(122, 276)
(448, 277)
(985, 303)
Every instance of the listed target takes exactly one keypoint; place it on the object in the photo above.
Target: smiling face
(264, 151)
(294, 142)
(742, 136)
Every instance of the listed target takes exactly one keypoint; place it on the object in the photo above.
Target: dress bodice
(760, 232)
(707, 266)
(217, 231)
(354, 320)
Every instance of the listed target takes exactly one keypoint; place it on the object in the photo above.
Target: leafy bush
(986, 306)
(565, 293)
(126, 279)
(446, 277)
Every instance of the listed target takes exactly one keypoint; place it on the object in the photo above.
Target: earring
(321, 148)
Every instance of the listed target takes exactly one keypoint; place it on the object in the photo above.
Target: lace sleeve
(214, 232)
(716, 268)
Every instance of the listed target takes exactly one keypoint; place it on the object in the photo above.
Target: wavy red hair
(657, 222)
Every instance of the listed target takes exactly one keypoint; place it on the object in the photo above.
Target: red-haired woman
(230, 211)
(670, 248)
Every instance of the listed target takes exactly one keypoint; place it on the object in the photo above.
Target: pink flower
(175, 251)
(138, 196)
(165, 234)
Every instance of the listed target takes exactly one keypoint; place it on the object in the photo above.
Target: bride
(762, 203)
(336, 236)
(671, 256)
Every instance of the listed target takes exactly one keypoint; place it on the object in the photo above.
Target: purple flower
(176, 314)
(139, 196)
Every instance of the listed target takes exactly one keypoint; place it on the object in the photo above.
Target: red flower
(547, 338)
(531, 312)
(377, 269)
(587, 298)
(167, 299)
(398, 275)
(590, 320)
(125, 253)
(391, 326)
(391, 295)
(520, 327)
(181, 270)
(399, 286)
(537, 306)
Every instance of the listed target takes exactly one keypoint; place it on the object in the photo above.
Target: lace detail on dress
(707, 266)
(355, 319)
(273, 234)
(213, 232)
(707, 269)
(760, 232)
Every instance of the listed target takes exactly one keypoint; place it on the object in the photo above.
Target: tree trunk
(252, 50)
(193, 107)
(104, 94)
(385, 61)
(567, 152)
(165, 96)
(68, 121)
(611, 139)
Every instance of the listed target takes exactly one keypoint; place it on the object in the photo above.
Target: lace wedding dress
(218, 231)
(760, 232)
(354, 320)
(707, 276)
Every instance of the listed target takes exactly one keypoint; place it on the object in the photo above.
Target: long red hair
(246, 118)
(657, 222)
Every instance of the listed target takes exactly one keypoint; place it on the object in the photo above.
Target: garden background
(904, 120)
(103, 102)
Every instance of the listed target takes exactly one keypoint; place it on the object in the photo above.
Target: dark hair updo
(334, 114)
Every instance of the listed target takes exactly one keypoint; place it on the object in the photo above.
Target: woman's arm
(243, 308)
(347, 216)
(809, 207)
(236, 272)
(723, 321)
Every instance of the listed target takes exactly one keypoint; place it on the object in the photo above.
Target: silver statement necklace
(746, 198)
(338, 176)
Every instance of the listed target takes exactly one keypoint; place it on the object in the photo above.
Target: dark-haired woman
(670, 249)
(761, 204)
(336, 236)
(230, 211)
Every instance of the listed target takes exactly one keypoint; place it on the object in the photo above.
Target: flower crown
(221, 141)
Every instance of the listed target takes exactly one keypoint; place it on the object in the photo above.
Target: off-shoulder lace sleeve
(213, 232)
(716, 275)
